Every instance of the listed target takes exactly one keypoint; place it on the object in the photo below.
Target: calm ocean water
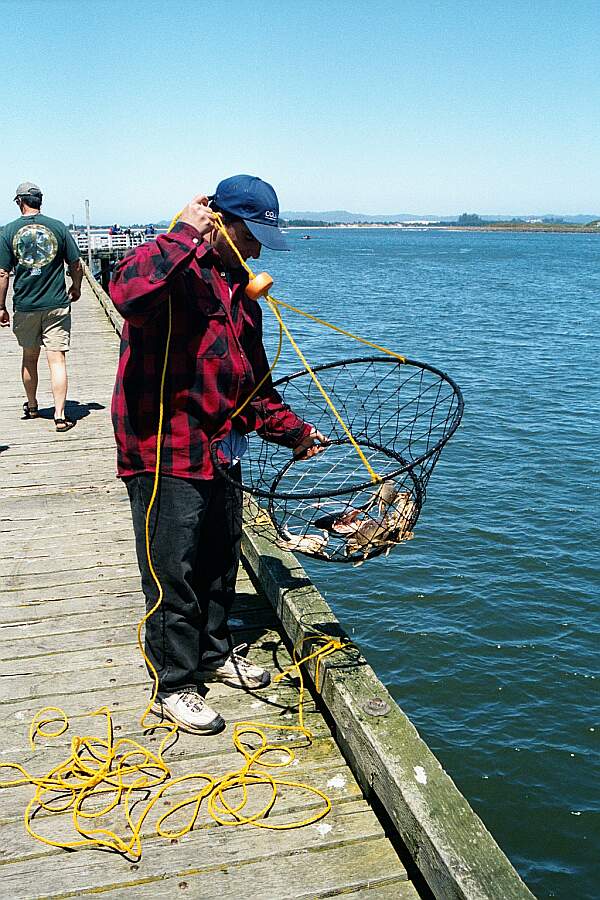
(485, 627)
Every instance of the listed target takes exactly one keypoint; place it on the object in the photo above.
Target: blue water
(485, 626)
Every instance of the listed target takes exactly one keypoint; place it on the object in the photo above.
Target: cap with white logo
(253, 200)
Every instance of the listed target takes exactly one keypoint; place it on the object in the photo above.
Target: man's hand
(74, 293)
(4, 317)
(313, 443)
(198, 214)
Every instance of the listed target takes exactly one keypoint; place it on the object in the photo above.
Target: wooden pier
(70, 601)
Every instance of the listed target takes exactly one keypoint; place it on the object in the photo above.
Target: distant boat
(306, 237)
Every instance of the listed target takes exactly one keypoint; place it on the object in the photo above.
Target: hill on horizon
(350, 218)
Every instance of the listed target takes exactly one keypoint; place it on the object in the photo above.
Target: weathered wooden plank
(96, 588)
(45, 441)
(197, 852)
(130, 672)
(52, 560)
(22, 544)
(451, 846)
(43, 581)
(21, 531)
(301, 877)
(54, 494)
(92, 501)
(301, 874)
(88, 446)
(390, 890)
(105, 555)
(117, 647)
(40, 606)
(100, 450)
(37, 605)
(102, 471)
(54, 483)
(43, 687)
(24, 629)
(122, 633)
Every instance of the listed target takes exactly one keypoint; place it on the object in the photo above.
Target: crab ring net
(400, 414)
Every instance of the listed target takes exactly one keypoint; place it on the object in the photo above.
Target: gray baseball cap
(28, 189)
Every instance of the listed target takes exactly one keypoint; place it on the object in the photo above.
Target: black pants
(195, 534)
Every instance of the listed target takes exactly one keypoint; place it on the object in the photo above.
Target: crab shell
(303, 543)
(391, 530)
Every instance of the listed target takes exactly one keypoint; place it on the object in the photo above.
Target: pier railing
(102, 239)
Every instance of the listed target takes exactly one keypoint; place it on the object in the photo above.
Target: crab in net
(330, 507)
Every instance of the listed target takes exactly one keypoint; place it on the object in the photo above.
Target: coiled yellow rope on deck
(115, 771)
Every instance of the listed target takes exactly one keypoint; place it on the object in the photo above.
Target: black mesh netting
(400, 414)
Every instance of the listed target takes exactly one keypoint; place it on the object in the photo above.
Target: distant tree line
(465, 220)
(306, 223)
(474, 219)
(470, 219)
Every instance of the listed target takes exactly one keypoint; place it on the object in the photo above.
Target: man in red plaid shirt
(216, 358)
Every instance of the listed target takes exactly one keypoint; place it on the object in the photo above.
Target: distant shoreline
(508, 227)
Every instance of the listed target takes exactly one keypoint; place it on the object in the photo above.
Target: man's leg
(56, 338)
(214, 577)
(216, 568)
(57, 364)
(172, 632)
(29, 374)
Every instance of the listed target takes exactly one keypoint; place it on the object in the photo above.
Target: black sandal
(63, 425)
(30, 411)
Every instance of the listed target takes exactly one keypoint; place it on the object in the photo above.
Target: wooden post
(105, 272)
(89, 236)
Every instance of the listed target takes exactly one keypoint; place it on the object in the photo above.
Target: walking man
(191, 281)
(37, 248)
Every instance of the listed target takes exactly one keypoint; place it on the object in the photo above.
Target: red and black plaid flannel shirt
(216, 357)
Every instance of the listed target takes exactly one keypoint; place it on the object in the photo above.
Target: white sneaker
(189, 710)
(237, 671)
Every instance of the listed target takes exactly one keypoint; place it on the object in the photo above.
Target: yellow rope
(326, 396)
(264, 378)
(349, 334)
(115, 771)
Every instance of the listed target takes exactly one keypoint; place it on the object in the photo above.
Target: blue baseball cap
(253, 200)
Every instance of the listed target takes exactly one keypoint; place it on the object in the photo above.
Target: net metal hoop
(406, 467)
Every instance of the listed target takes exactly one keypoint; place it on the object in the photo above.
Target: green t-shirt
(37, 247)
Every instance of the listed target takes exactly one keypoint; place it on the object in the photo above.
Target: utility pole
(89, 236)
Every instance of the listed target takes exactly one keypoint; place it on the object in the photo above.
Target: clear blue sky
(375, 107)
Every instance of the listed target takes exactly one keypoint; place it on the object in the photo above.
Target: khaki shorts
(48, 328)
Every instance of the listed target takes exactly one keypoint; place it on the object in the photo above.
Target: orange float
(259, 286)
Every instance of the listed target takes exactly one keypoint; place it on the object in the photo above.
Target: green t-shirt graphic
(37, 247)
